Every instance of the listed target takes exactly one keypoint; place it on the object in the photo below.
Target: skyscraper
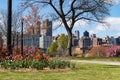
(86, 34)
(77, 34)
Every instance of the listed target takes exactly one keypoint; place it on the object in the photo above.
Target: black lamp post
(17, 40)
(33, 35)
(9, 26)
(13, 39)
(22, 36)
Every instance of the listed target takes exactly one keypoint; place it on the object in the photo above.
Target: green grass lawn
(114, 59)
(84, 71)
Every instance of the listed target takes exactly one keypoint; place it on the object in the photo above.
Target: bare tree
(3, 24)
(15, 22)
(71, 11)
(32, 21)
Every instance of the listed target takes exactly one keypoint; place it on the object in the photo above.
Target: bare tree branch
(75, 10)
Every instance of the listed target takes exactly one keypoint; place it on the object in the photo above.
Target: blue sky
(101, 31)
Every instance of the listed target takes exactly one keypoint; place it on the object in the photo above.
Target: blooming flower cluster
(113, 51)
(17, 57)
(42, 56)
(28, 52)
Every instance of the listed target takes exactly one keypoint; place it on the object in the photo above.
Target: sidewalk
(97, 62)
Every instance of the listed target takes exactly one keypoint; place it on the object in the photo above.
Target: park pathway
(97, 62)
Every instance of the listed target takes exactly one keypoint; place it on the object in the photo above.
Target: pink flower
(38, 56)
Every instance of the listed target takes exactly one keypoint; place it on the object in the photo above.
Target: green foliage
(26, 63)
(63, 41)
(85, 71)
(87, 55)
(52, 50)
(58, 46)
(5, 64)
(73, 66)
(9, 64)
(39, 65)
(56, 64)
(35, 63)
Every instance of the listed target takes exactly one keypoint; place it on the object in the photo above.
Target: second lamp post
(22, 36)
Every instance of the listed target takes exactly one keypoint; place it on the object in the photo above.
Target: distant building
(46, 39)
(39, 35)
(77, 34)
(1, 41)
(75, 39)
(96, 42)
(31, 40)
(113, 40)
(85, 42)
(118, 41)
(93, 36)
(86, 34)
(45, 42)
(46, 27)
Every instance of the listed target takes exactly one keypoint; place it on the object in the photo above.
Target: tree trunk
(69, 47)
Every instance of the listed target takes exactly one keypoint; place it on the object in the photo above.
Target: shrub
(98, 51)
(54, 64)
(113, 51)
(15, 64)
(6, 64)
(9, 64)
(26, 63)
(39, 65)
(52, 49)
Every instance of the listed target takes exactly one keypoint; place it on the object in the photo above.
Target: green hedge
(37, 64)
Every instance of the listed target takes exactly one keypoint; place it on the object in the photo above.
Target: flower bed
(31, 59)
(34, 64)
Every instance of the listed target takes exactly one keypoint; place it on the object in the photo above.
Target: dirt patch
(56, 70)
(35, 70)
(2, 70)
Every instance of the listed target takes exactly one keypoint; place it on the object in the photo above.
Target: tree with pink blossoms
(113, 51)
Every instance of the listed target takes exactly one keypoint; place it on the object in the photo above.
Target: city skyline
(112, 28)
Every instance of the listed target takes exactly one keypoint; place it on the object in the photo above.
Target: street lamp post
(22, 36)
(13, 39)
(17, 41)
(33, 35)
(9, 23)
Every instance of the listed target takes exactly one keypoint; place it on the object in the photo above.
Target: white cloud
(92, 32)
(1, 23)
(82, 23)
(101, 27)
(114, 2)
(118, 34)
(112, 23)
(56, 23)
